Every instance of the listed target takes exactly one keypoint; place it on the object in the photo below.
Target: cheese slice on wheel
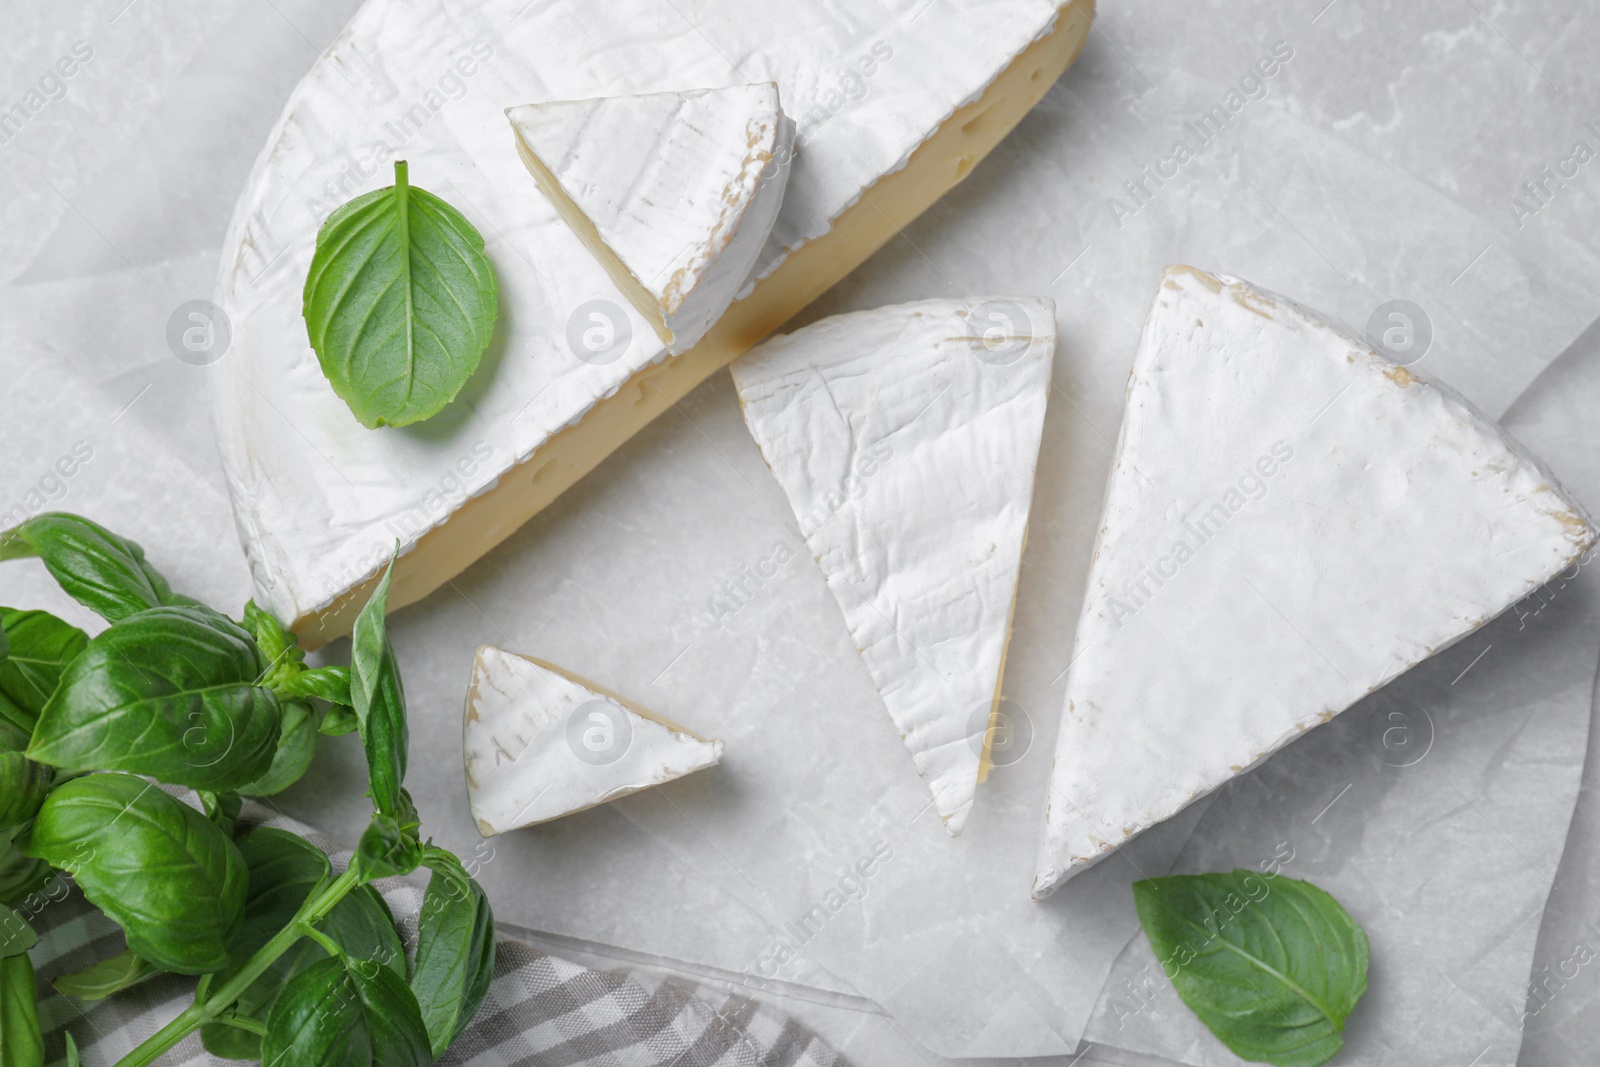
(1291, 522)
(675, 193)
(891, 109)
(905, 439)
(541, 743)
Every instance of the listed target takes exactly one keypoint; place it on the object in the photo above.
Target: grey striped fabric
(541, 1011)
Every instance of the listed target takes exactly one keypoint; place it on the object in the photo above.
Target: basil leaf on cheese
(400, 303)
(1272, 966)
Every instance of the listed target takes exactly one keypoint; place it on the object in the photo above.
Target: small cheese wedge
(541, 743)
(905, 439)
(674, 193)
(1291, 522)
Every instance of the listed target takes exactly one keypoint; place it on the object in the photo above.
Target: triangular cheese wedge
(674, 193)
(1291, 522)
(541, 743)
(906, 440)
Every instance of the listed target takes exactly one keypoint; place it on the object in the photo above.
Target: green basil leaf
(280, 649)
(334, 1015)
(73, 1059)
(388, 848)
(327, 683)
(297, 744)
(105, 573)
(21, 1042)
(400, 303)
(1272, 966)
(276, 643)
(284, 869)
(340, 720)
(170, 693)
(16, 936)
(223, 809)
(41, 647)
(399, 1038)
(122, 971)
(455, 950)
(14, 716)
(363, 928)
(13, 738)
(317, 1021)
(155, 866)
(379, 700)
(23, 786)
(20, 876)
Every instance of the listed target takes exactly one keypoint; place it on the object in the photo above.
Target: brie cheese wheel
(540, 743)
(674, 193)
(1291, 522)
(890, 111)
(905, 439)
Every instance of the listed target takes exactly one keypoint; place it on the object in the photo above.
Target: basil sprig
(284, 871)
(400, 303)
(299, 964)
(1272, 966)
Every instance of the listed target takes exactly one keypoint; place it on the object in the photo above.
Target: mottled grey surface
(1382, 160)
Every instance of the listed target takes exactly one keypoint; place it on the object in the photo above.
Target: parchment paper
(1378, 163)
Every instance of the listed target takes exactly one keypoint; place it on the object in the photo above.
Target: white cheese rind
(1291, 522)
(680, 188)
(906, 440)
(320, 501)
(539, 744)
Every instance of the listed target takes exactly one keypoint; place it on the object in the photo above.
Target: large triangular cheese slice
(541, 743)
(906, 440)
(1291, 522)
(674, 193)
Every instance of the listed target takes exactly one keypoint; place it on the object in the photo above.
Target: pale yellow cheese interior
(573, 216)
(891, 203)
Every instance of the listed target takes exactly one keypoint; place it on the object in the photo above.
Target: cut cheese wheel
(1291, 522)
(574, 370)
(905, 439)
(540, 743)
(674, 193)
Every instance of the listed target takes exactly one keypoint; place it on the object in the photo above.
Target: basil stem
(313, 911)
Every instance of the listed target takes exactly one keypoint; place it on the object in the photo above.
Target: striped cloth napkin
(541, 1011)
